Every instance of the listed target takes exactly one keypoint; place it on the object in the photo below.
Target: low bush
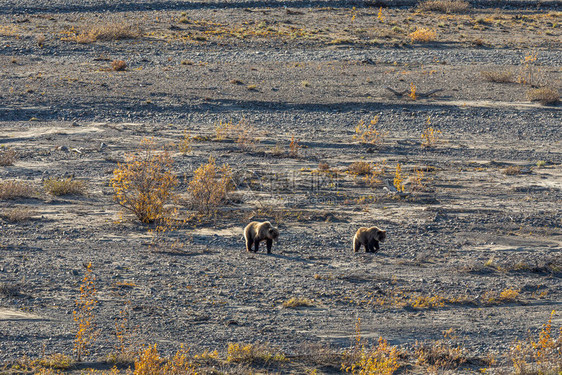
(119, 65)
(323, 167)
(375, 177)
(294, 147)
(145, 183)
(14, 189)
(108, 32)
(398, 181)
(210, 186)
(423, 35)
(297, 302)
(185, 144)
(150, 363)
(55, 361)
(64, 186)
(544, 95)
(507, 295)
(253, 354)
(381, 359)
(17, 214)
(513, 170)
(439, 355)
(430, 136)
(543, 356)
(360, 168)
(368, 133)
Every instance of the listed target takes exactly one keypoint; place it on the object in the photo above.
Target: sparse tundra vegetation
(138, 139)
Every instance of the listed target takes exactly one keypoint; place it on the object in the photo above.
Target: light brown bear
(256, 232)
(368, 237)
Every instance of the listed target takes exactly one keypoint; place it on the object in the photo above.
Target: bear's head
(381, 235)
(273, 233)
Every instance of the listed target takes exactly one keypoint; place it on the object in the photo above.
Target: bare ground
(486, 220)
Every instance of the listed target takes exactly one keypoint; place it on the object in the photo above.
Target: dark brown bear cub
(368, 237)
(256, 232)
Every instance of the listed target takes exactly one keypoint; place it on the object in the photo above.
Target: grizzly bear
(368, 237)
(256, 232)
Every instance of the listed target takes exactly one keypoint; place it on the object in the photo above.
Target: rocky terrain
(473, 243)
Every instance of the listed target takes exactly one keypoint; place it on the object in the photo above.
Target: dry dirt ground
(473, 246)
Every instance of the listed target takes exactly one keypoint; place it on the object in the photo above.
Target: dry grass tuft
(324, 167)
(125, 358)
(7, 156)
(506, 296)
(17, 214)
(64, 186)
(445, 6)
(320, 354)
(513, 170)
(55, 361)
(509, 294)
(108, 32)
(207, 358)
(14, 189)
(360, 168)
(297, 302)
(9, 30)
(423, 35)
(498, 76)
(119, 65)
(544, 95)
(258, 354)
(242, 132)
(439, 355)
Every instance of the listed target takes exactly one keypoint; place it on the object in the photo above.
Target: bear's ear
(382, 232)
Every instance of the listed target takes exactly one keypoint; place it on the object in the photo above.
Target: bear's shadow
(282, 256)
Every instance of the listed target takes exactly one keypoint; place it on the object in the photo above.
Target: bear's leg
(256, 245)
(356, 245)
(249, 244)
(376, 244)
(269, 243)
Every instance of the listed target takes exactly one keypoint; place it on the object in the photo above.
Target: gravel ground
(471, 232)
